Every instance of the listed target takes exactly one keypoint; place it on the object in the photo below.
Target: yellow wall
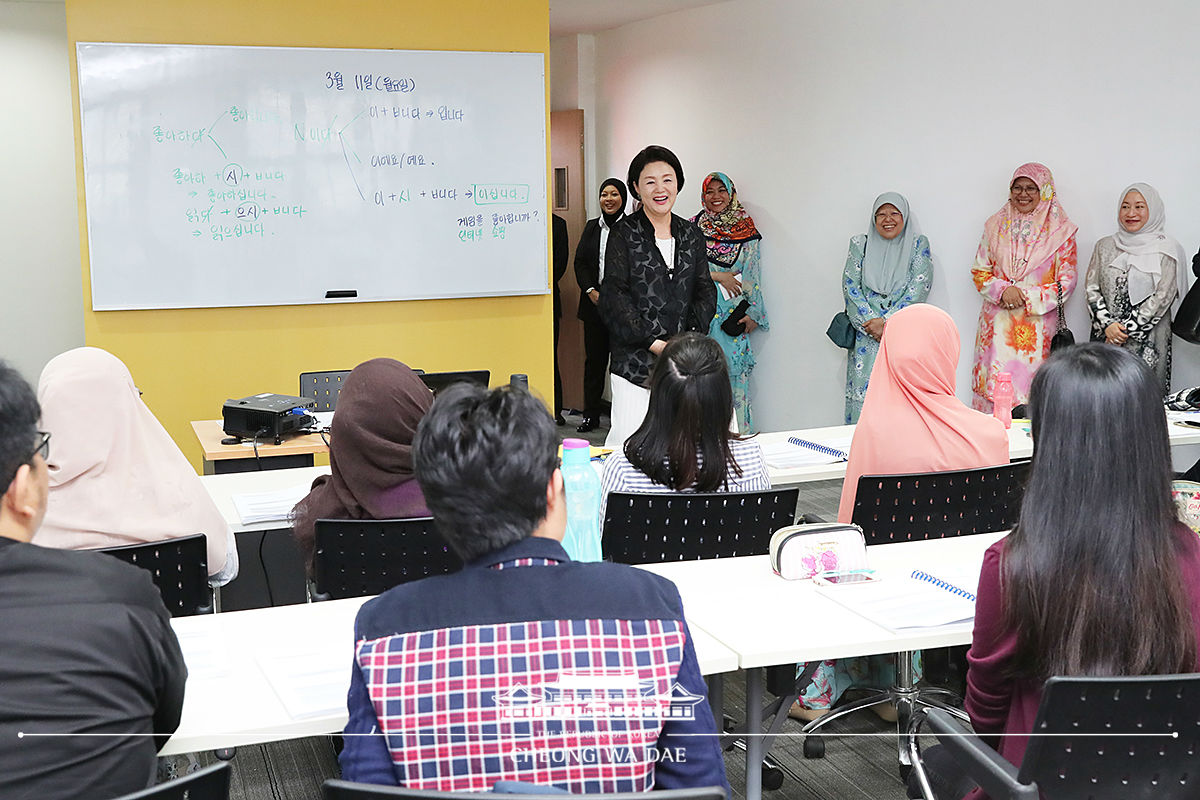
(187, 362)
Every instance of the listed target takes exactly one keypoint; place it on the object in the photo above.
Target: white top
(667, 248)
(621, 476)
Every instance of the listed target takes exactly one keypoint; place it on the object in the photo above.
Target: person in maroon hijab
(370, 452)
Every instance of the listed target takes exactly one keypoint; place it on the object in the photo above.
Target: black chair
(179, 568)
(362, 557)
(324, 387)
(436, 381)
(210, 783)
(689, 526)
(1077, 755)
(346, 790)
(919, 506)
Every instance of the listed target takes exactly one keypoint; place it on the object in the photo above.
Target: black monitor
(436, 381)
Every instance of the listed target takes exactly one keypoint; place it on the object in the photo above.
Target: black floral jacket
(642, 300)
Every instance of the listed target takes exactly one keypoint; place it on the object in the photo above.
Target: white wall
(39, 225)
(814, 108)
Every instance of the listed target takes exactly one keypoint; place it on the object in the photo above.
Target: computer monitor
(436, 381)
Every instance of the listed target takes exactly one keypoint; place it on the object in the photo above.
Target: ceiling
(590, 16)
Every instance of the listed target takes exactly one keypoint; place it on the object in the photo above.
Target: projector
(267, 416)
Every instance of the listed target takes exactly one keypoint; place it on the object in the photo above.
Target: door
(567, 200)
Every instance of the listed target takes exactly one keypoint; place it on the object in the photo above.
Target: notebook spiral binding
(820, 448)
(941, 584)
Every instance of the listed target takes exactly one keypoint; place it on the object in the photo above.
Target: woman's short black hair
(650, 154)
(684, 440)
(19, 413)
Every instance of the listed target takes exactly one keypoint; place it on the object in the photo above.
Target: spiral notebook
(918, 600)
(834, 451)
(797, 452)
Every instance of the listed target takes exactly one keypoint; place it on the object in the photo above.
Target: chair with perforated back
(179, 568)
(1078, 749)
(334, 789)
(324, 387)
(361, 557)
(210, 783)
(688, 526)
(919, 506)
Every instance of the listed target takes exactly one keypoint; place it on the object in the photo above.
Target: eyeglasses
(43, 446)
(1025, 190)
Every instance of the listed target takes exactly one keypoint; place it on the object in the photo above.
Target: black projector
(268, 417)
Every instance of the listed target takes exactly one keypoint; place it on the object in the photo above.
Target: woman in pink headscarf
(911, 422)
(1026, 256)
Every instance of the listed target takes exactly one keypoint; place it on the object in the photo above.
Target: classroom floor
(861, 766)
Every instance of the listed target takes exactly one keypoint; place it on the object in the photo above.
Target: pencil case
(800, 551)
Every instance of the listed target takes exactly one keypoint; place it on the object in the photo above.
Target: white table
(750, 616)
(222, 488)
(234, 695)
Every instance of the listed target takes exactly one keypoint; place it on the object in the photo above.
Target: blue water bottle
(582, 540)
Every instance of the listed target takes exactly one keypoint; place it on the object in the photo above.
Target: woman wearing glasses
(1025, 262)
(887, 268)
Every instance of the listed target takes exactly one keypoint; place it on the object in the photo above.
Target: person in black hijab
(589, 272)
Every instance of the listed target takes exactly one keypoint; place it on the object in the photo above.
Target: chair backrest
(1069, 763)
(345, 790)
(178, 567)
(935, 505)
(688, 526)
(361, 557)
(210, 783)
(324, 387)
(436, 381)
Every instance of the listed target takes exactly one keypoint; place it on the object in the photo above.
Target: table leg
(716, 699)
(754, 737)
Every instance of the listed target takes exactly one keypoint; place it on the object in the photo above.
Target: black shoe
(589, 424)
(558, 419)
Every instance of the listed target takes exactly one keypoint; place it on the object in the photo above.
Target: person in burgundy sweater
(1097, 514)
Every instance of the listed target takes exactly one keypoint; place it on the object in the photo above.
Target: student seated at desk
(86, 646)
(911, 422)
(494, 672)
(684, 443)
(370, 452)
(116, 476)
(1099, 577)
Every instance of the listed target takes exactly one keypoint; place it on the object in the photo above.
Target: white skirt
(629, 405)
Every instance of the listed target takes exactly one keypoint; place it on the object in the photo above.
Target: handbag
(800, 551)
(732, 324)
(1063, 337)
(840, 331)
(1186, 324)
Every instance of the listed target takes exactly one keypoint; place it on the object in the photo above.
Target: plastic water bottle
(582, 540)
(1002, 399)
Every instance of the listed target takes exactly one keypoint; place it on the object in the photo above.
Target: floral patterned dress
(863, 304)
(1017, 340)
(737, 348)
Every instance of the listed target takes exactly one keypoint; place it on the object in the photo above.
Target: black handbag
(733, 323)
(840, 331)
(1063, 337)
(1186, 324)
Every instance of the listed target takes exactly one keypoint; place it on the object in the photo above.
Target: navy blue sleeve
(689, 749)
(365, 757)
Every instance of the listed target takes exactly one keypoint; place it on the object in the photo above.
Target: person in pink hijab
(911, 422)
(1025, 262)
(116, 476)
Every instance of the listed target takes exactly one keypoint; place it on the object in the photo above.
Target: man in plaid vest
(524, 665)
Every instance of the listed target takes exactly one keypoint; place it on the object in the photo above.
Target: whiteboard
(244, 176)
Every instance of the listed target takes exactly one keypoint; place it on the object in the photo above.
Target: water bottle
(582, 540)
(519, 380)
(1002, 399)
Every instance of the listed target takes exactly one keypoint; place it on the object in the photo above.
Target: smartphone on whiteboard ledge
(847, 578)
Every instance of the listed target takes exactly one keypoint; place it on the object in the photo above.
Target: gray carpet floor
(861, 766)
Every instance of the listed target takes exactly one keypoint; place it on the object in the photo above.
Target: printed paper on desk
(255, 507)
(901, 603)
(309, 683)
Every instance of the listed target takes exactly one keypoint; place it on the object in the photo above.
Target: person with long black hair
(684, 443)
(1099, 577)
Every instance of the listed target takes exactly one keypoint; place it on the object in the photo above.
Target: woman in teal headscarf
(733, 262)
(887, 269)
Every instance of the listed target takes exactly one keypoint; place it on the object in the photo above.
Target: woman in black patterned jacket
(656, 285)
